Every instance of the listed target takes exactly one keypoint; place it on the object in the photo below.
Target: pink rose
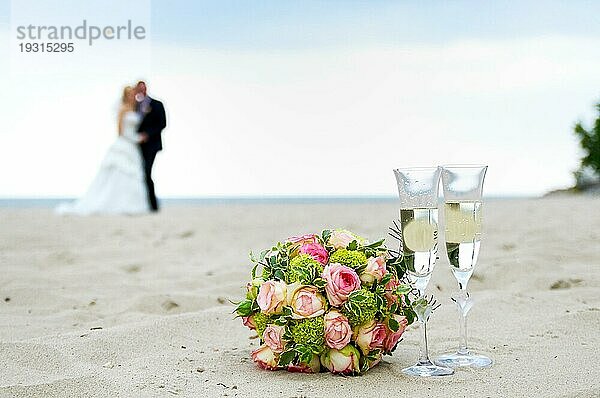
(341, 238)
(375, 270)
(337, 330)
(248, 321)
(305, 301)
(265, 358)
(344, 361)
(273, 337)
(341, 281)
(271, 297)
(370, 336)
(308, 238)
(316, 251)
(390, 291)
(313, 367)
(392, 338)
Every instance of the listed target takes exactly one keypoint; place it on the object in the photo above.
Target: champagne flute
(463, 187)
(418, 191)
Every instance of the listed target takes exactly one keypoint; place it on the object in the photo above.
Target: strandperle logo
(85, 31)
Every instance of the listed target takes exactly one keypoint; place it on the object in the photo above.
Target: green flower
(261, 321)
(309, 332)
(361, 307)
(350, 258)
(304, 269)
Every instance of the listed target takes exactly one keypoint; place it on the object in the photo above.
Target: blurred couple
(124, 183)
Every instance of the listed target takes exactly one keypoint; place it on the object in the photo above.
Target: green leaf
(403, 289)
(254, 270)
(381, 303)
(393, 325)
(305, 353)
(353, 245)
(263, 254)
(410, 315)
(279, 275)
(386, 278)
(244, 308)
(373, 355)
(359, 299)
(320, 283)
(287, 357)
(306, 357)
(287, 311)
(375, 245)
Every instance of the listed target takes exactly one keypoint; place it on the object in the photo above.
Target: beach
(140, 306)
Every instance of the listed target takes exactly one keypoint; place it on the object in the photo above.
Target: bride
(119, 187)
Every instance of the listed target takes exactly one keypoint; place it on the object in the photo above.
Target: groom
(151, 126)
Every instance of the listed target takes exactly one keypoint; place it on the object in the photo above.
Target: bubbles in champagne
(419, 239)
(463, 235)
(463, 221)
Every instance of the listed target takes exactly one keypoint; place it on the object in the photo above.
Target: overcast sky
(306, 98)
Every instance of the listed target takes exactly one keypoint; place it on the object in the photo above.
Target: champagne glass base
(427, 369)
(464, 360)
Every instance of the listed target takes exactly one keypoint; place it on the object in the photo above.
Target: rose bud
(273, 337)
(313, 367)
(370, 336)
(341, 239)
(344, 361)
(392, 338)
(337, 330)
(305, 301)
(252, 288)
(265, 358)
(341, 281)
(316, 251)
(248, 321)
(308, 238)
(271, 297)
(375, 270)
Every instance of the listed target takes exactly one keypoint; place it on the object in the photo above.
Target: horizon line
(49, 201)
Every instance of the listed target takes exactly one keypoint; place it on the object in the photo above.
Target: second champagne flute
(463, 188)
(418, 191)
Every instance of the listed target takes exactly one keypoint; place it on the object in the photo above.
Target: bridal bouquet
(331, 301)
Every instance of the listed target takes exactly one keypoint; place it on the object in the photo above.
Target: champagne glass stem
(422, 310)
(424, 350)
(461, 303)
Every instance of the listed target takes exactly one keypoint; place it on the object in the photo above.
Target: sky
(306, 97)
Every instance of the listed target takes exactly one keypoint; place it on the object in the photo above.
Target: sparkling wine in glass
(418, 191)
(463, 187)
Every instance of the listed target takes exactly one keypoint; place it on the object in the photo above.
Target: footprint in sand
(133, 268)
(186, 234)
(168, 305)
(565, 284)
(508, 246)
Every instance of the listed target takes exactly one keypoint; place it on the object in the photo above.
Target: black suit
(153, 123)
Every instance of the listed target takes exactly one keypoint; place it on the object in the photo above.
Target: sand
(138, 306)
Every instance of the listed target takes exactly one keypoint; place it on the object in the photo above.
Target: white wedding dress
(119, 187)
